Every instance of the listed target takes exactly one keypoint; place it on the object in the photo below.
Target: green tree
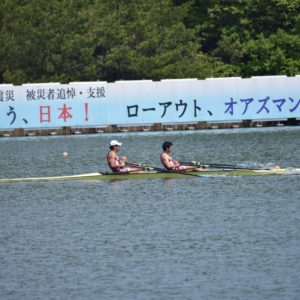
(100, 40)
(250, 35)
(146, 39)
(43, 41)
(52, 40)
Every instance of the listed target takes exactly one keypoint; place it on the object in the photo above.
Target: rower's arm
(112, 160)
(176, 163)
(122, 161)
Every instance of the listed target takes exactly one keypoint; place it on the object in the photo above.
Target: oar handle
(192, 164)
(163, 170)
(130, 164)
(217, 166)
(134, 165)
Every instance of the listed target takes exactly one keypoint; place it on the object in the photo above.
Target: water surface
(190, 238)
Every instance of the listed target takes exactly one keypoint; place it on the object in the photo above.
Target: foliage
(81, 40)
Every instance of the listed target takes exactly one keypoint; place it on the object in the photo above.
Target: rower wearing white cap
(115, 163)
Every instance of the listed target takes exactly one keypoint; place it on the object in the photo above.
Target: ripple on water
(191, 238)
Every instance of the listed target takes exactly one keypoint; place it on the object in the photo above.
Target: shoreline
(142, 128)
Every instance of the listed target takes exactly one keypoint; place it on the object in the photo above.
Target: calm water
(191, 238)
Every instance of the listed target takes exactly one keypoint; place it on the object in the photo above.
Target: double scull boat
(158, 174)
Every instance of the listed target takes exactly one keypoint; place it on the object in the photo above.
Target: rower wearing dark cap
(170, 163)
(167, 161)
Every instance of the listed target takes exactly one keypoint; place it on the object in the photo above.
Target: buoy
(65, 154)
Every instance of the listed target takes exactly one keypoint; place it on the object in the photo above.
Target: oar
(128, 172)
(137, 166)
(131, 164)
(134, 165)
(217, 166)
(165, 171)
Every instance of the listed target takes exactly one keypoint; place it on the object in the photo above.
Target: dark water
(191, 238)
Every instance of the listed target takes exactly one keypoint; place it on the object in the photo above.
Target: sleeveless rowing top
(170, 160)
(117, 163)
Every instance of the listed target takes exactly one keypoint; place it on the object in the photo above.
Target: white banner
(146, 102)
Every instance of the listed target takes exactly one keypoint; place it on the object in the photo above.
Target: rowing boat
(155, 174)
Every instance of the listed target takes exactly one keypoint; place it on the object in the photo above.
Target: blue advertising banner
(91, 104)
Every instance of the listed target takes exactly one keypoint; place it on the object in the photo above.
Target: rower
(116, 164)
(171, 164)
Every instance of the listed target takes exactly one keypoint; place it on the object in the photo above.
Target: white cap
(115, 143)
